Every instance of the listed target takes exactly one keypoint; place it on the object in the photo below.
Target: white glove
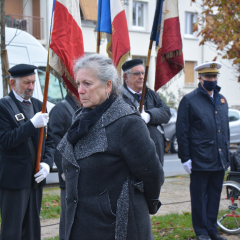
(188, 166)
(43, 172)
(40, 120)
(145, 116)
(63, 176)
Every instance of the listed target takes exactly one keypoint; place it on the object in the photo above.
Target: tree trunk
(3, 46)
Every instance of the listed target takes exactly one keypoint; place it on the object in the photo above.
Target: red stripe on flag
(67, 39)
(120, 37)
(168, 67)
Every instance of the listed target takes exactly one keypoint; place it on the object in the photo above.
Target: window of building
(88, 9)
(189, 73)
(189, 21)
(139, 11)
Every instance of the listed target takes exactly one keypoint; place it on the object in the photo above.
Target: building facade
(140, 14)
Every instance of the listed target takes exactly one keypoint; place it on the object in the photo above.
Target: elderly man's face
(135, 79)
(24, 86)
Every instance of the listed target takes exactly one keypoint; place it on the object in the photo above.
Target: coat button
(216, 112)
(219, 131)
(75, 199)
(66, 168)
(77, 170)
(220, 149)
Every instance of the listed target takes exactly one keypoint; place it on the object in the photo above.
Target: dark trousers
(62, 217)
(205, 189)
(20, 210)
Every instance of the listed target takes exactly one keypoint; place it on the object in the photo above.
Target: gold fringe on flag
(123, 59)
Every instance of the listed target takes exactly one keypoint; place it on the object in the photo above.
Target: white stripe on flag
(116, 7)
(73, 8)
(171, 9)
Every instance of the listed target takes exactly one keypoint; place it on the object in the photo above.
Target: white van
(22, 47)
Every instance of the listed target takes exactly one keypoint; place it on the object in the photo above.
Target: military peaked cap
(22, 70)
(131, 63)
(209, 67)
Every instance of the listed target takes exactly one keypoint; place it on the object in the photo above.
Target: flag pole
(44, 107)
(98, 42)
(145, 76)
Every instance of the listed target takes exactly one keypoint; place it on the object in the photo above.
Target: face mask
(209, 86)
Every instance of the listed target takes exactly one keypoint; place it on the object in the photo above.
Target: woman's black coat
(113, 178)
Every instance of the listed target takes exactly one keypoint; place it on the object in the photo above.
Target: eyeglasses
(138, 73)
(210, 76)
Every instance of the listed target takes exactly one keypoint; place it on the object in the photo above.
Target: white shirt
(134, 91)
(20, 98)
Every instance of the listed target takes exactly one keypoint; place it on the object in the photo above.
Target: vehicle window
(56, 91)
(233, 116)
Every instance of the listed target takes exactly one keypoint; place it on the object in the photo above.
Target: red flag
(67, 40)
(170, 57)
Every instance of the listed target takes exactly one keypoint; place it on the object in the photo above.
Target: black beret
(22, 70)
(131, 63)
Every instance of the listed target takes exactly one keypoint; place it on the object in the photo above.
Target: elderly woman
(113, 174)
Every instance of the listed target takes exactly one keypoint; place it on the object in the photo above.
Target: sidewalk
(174, 190)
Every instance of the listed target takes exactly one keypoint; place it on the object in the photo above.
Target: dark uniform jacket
(16, 169)
(113, 178)
(159, 113)
(203, 130)
(60, 120)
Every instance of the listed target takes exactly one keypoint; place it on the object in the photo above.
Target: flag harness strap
(68, 106)
(20, 117)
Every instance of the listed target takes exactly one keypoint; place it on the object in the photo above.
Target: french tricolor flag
(166, 33)
(113, 23)
(66, 40)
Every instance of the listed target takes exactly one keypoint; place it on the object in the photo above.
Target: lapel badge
(223, 100)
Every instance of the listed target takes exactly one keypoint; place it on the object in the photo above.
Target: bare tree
(3, 46)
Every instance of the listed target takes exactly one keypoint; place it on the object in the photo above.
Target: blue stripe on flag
(104, 23)
(157, 22)
(53, 8)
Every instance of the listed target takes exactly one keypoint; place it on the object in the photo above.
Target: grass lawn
(51, 206)
(172, 226)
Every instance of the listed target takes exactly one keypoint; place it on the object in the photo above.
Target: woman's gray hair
(102, 67)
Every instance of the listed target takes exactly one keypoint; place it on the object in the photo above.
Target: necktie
(137, 96)
(26, 102)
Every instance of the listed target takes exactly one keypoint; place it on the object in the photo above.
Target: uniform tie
(27, 102)
(137, 96)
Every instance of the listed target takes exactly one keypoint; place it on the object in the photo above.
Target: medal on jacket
(223, 100)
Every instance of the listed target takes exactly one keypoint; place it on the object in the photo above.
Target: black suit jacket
(60, 120)
(16, 169)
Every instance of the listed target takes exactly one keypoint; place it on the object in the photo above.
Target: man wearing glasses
(155, 111)
(203, 147)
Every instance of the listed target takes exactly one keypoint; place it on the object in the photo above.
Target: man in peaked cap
(155, 111)
(20, 188)
(203, 147)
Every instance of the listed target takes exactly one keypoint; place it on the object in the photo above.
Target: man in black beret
(155, 111)
(20, 188)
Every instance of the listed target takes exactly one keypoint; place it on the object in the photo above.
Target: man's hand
(43, 172)
(188, 166)
(40, 120)
(145, 116)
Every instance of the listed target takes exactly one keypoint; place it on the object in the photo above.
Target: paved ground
(174, 190)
